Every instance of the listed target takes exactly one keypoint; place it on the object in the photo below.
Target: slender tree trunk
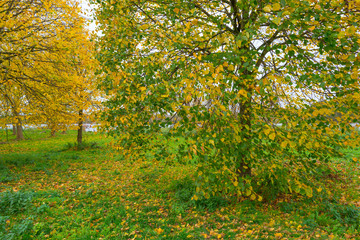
(19, 131)
(13, 129)
(80, 128)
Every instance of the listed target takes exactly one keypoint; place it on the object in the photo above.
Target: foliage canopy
(262, 90)
(45, 62)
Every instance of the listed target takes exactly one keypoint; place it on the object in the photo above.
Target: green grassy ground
(50, 190)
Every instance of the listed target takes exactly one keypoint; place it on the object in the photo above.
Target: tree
(240, 78)
(39, 41)
(85, 92)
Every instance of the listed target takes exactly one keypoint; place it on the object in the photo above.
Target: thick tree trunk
(80, 128)
(19, 132)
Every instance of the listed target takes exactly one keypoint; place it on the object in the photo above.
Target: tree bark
(19, 129)
(19, 132)
(52, 132)
(244, 169)
(14, 129)
(80, 128)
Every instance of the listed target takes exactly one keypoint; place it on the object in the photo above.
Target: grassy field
(51, 190)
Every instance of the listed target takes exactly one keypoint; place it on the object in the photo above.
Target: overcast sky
(87, 12)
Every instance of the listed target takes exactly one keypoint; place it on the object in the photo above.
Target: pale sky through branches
(87, 14)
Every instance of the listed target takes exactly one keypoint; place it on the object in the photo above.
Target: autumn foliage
(46, 63)
(263, 91)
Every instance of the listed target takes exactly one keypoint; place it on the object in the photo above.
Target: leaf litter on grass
(100, 196)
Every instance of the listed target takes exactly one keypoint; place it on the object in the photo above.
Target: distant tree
(39, 40)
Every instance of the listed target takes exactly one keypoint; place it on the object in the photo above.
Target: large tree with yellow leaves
(45, 62)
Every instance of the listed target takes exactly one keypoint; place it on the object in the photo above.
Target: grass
(50, 188)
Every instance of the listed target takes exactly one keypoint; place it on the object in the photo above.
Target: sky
(87, 9)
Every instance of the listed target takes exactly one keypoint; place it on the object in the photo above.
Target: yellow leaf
(236, 183)
(354, 75)
(341, 34)
(247, 192)
(267, 131)
(286, 13)
(344, 57)
(283, 144)
(309, 192)
(231, 68)
(278, 235)
(188, 98)
(272, 136)
(267, 8)
(243, 92)
(158, 230)
(253, 197)
(211, 142)
(277, 20)
(276, 7)
(260, 198)
(222, 107)
(238, 43)
(311, 28)
(176, 10)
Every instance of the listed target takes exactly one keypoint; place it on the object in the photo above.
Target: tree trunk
(80, 128)
(19, 132)
(13, 129)
(52, 132)
(19, 129)
(244, 168)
